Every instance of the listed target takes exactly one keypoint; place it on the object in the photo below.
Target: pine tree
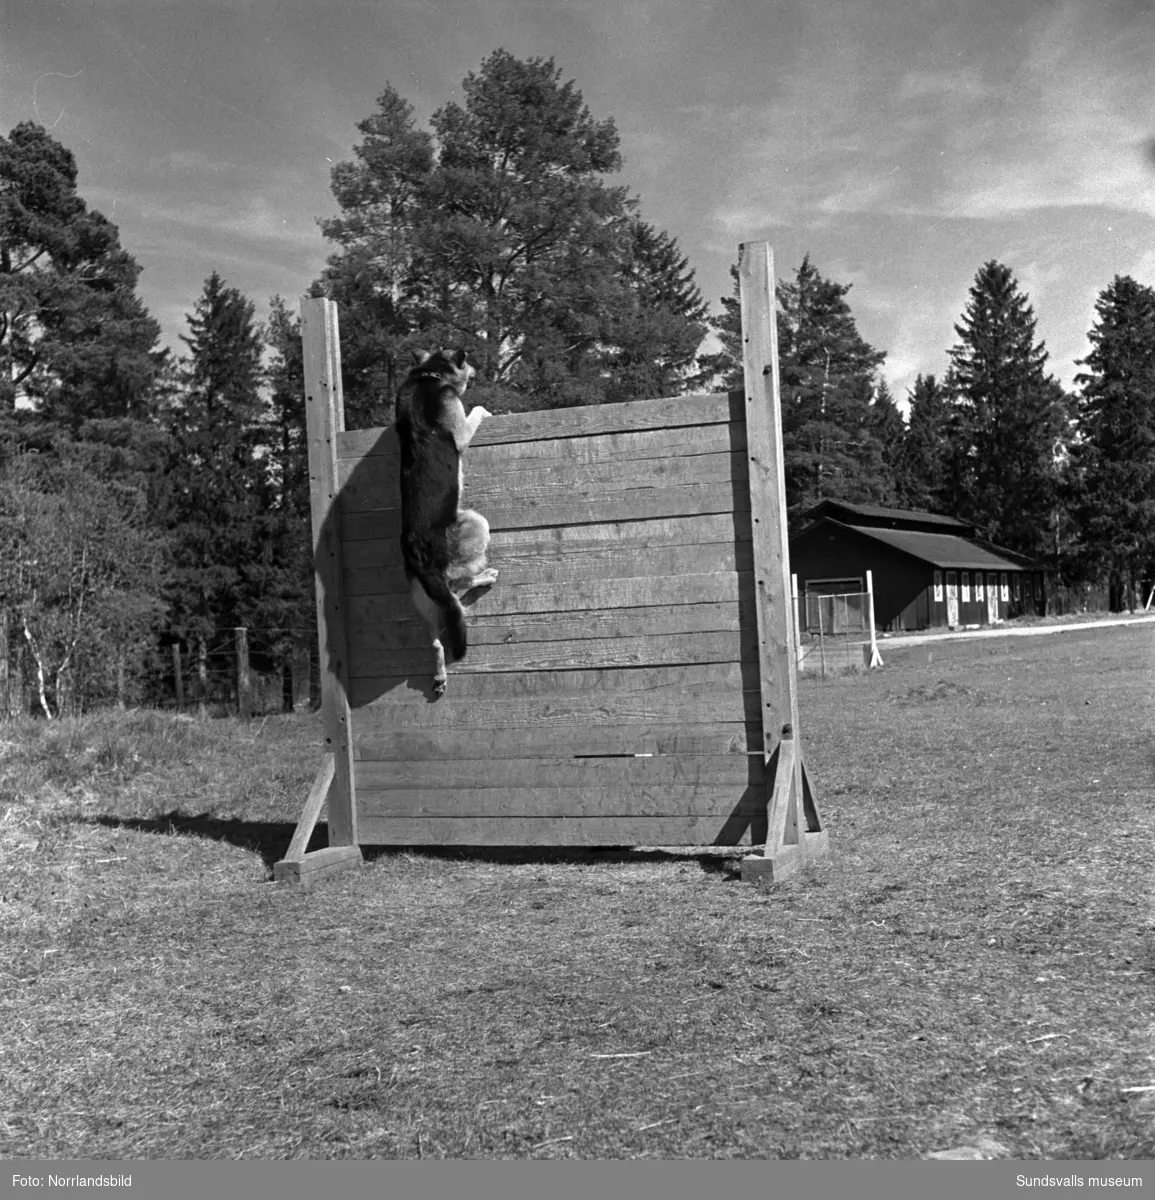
(924, 450)
(502, 234)
(373, 275)
(75, 340)
(1009, 417)
(1115, 454)
(215, 485)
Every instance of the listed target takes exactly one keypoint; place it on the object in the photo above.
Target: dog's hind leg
(432, 618)
(470, 544)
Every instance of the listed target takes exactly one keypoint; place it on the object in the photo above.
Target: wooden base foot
(318, 864)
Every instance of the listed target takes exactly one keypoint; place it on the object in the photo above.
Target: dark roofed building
(928, 570)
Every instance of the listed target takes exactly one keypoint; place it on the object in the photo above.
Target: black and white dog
(442, 544)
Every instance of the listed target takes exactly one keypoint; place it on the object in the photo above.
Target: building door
(951, 598)
(992, 598)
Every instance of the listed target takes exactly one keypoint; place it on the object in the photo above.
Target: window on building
(966, 587)
(978, 585)
(1004, 594)
(938, 587)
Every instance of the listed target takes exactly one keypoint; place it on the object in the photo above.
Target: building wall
(828, 553)
(910, 594)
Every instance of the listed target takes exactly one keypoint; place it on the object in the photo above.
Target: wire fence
(836, 632)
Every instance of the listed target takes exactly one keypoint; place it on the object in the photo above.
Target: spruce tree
(924, 450)
(827, 381)
(282, 606)
(1009, 418)
(215, 485)
(885, 423)
(1114, 458)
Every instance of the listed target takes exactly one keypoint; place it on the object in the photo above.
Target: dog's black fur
(443, 545)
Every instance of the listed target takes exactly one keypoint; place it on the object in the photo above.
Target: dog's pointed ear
(419, 356)
(459, 358)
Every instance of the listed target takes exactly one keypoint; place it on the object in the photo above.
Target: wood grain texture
(318, 865)
(621, 772)
(721, 829)
(542, 700)
(560, 800)
(364, 575)
(710, 408)
(324, 416)
(689, 529)
(767, 484)
(580, 654)
(388, 743)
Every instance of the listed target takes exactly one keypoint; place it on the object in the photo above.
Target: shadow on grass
(270, 839)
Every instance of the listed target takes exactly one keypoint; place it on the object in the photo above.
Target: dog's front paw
(480, 413)
(439, 682)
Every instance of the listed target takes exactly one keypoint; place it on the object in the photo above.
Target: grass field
(973, 964)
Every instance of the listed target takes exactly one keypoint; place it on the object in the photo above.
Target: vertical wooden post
(202, 675)
(325, 415)
(244, 675)
(6, 705)
(777, 641)
(797, 622)
(178, 679)
(874, 659)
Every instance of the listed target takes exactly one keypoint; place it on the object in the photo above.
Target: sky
(900, 143)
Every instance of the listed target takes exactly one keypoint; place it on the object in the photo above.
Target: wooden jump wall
(630, 677)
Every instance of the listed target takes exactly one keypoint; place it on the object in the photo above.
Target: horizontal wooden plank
(383, 742)
(620, 772)
(712, 408)
(366, 575)
(544, 699)
(693, 529)
(657, 800)
(514, 457)
(581, 654)
(719, 830)
(577, 596)
(374, 484)
(507, 511)
(370, 629)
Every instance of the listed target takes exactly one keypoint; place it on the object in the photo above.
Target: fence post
(5, 676)
(244, 675)
(875, 659)
(797, 622)
(202, 675)
(177, 678)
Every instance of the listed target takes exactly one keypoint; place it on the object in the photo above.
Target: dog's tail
(452, 614)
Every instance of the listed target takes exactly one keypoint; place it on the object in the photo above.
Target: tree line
(150, 498)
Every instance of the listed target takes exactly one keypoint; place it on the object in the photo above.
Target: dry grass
(975, 959)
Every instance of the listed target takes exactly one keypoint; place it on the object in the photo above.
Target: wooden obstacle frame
(630, 679)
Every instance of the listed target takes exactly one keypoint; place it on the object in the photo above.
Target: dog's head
(450, 366)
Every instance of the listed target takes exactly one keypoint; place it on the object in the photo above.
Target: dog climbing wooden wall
(630, 676)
